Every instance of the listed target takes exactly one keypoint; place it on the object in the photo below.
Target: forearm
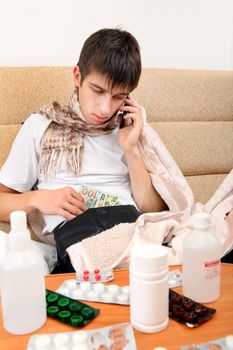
(144, 194)
(15, 201)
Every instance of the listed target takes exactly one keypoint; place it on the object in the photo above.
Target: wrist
(31, 201)
(132, 151)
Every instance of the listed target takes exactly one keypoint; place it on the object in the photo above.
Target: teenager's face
(97, 101)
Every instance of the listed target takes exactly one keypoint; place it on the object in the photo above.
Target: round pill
(85, 285)
(79, 337)
(92, 294)
(99, 287)
(97, 271)
(229, 341)
(97, 277)
(122, 298)
(71, 283)
(63, 291)
(52, 310)
(52, 298)
(64, 315)
(86, 272)
(63, 302)
(87, 313)
(113, 289)
(76, 321)
(75, 307)
(125, 290)
(107, 297)
(61, 339)
(77, 294)
(42, 341)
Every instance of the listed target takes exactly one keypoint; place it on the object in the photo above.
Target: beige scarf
(65, 135)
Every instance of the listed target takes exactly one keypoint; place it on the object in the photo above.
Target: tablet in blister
(115, 337)
(69, 311)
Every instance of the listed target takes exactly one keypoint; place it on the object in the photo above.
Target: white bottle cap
(19, 237)
(148, 258)
(201, 220)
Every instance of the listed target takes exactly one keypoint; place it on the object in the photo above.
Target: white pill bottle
(201, 261)
(149, 288)
(23, 285)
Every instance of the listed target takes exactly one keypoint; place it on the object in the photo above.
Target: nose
(105, 106)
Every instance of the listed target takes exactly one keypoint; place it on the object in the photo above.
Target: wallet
(92, 222)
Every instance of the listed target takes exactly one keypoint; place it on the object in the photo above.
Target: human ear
(77, 76)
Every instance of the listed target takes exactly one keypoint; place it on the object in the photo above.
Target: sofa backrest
(192, 111)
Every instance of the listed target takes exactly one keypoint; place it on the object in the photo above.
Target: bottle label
(212, 269)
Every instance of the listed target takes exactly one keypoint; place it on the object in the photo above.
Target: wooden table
(172, 337)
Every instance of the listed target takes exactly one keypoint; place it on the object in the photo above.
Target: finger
(77, 203)
(66, 215)
(76, 195)
(73, 209)
(133, 102)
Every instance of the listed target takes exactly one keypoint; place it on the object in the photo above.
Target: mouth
(100, 118)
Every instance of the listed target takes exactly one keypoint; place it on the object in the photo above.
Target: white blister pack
(112, 294)
(225, 343)
(119, 336)
(175, 278)
(98, 292)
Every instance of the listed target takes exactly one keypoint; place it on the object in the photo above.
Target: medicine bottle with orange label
(201, 261)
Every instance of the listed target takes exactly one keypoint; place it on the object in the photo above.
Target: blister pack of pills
(97, 292)
(69, 311)
(119, 336)
(187, 311)
(225, 343)
(175, 278)
(94, 276)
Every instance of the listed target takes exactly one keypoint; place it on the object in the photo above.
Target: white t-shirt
(102, 168)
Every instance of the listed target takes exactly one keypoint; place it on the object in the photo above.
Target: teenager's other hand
(128, 135)
(65, 202)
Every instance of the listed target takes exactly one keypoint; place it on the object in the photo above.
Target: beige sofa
(192, 110)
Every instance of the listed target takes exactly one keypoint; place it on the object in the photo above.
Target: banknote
(94, 198)
(90, 196)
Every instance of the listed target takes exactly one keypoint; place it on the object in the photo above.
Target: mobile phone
(124, 122)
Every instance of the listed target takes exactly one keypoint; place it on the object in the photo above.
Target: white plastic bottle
(23, 287)
(149, 288)
(201, 261)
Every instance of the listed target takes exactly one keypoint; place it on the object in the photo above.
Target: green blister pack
(69, 311)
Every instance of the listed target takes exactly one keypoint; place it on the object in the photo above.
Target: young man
(62, 148)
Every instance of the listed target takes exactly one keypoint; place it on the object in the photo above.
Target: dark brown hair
(114, 53)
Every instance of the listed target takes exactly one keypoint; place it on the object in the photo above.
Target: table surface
(175, 335)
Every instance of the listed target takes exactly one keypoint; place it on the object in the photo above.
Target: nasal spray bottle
(22, 287)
